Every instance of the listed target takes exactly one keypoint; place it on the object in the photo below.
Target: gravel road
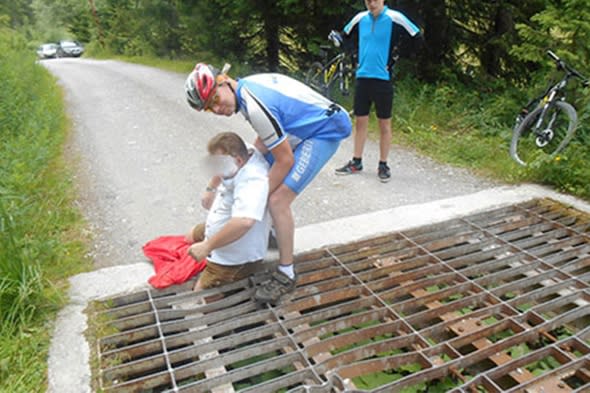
(136, 147)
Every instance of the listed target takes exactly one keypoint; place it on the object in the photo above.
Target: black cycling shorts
(378, 91)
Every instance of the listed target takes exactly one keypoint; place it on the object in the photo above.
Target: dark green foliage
(19, 12)
(140, 28)
(26, 124)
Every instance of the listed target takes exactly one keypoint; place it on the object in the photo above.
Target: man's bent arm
(234, 229)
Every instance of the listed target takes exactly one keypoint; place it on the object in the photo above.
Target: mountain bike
(547, 123)
(328, 75)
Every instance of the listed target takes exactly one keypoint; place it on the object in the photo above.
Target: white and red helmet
(200, 85)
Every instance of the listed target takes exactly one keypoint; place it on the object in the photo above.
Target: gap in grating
(496, 301)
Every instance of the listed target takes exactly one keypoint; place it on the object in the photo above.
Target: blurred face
(223, 101)
(375, 7)
(222, 165)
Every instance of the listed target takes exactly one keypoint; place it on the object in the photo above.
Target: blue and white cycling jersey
(279, 107)
(375, 40)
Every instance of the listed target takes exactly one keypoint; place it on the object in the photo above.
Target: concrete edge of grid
(69, 353)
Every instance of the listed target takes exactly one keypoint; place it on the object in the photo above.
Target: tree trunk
(271, 35)
(430, 52)
(494, 49)
(97, 22)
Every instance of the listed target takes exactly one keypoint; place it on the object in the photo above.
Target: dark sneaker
(350, 168)
(278, 285)
(384, 173)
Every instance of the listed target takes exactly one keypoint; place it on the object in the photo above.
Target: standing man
(298, 131)
(375, 41)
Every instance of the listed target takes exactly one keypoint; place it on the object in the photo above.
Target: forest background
(458, 91)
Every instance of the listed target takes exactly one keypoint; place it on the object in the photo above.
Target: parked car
(70, 49)
(47, 51)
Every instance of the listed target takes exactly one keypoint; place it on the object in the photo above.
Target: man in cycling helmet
(298, 131)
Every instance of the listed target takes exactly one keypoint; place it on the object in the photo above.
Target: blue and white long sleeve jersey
(375, 37)
(279, 107)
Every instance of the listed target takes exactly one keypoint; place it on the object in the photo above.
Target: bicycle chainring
(544, 139)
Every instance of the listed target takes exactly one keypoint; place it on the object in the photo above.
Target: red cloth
(171, 260)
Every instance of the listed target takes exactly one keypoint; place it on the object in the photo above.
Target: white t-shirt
(245, 196)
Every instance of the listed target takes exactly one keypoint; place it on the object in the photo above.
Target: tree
(563, 26)
(19, 12)
(60, 19)
(269, 35)
(140, 27)
(432, 51)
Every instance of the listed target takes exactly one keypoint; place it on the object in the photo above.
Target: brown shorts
(215, 274)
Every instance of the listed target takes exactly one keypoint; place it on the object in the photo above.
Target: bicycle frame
(323, 76)
(335, 70)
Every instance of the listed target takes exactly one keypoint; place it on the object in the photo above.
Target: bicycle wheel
(552, 136)
(315, 78)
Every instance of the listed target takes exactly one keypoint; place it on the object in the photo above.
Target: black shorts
(378, 91)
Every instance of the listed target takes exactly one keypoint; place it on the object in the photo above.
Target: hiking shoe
(350, 168)
(384, 173)
(278, 285)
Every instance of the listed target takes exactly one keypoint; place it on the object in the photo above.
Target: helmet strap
(235, 95)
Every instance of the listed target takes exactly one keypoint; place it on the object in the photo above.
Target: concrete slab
(69, 363)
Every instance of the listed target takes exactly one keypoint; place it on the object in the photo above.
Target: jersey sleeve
(263, 120)
(349, 27)
(404, 21)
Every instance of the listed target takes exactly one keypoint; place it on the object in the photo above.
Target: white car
(47, 51)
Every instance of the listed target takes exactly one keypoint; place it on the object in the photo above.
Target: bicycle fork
(544, 136)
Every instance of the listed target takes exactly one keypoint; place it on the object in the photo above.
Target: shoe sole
(260, 303)
(347, 173)
(385, 180)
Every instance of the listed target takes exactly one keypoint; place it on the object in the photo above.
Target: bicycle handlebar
(553, 55)
(561, 65)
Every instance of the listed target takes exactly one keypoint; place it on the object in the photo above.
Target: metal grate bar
(494, 302)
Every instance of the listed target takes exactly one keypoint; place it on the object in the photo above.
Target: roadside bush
(28, 115)
(39, 241)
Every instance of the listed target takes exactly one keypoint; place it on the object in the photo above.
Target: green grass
(442, 123)
(40, 231)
